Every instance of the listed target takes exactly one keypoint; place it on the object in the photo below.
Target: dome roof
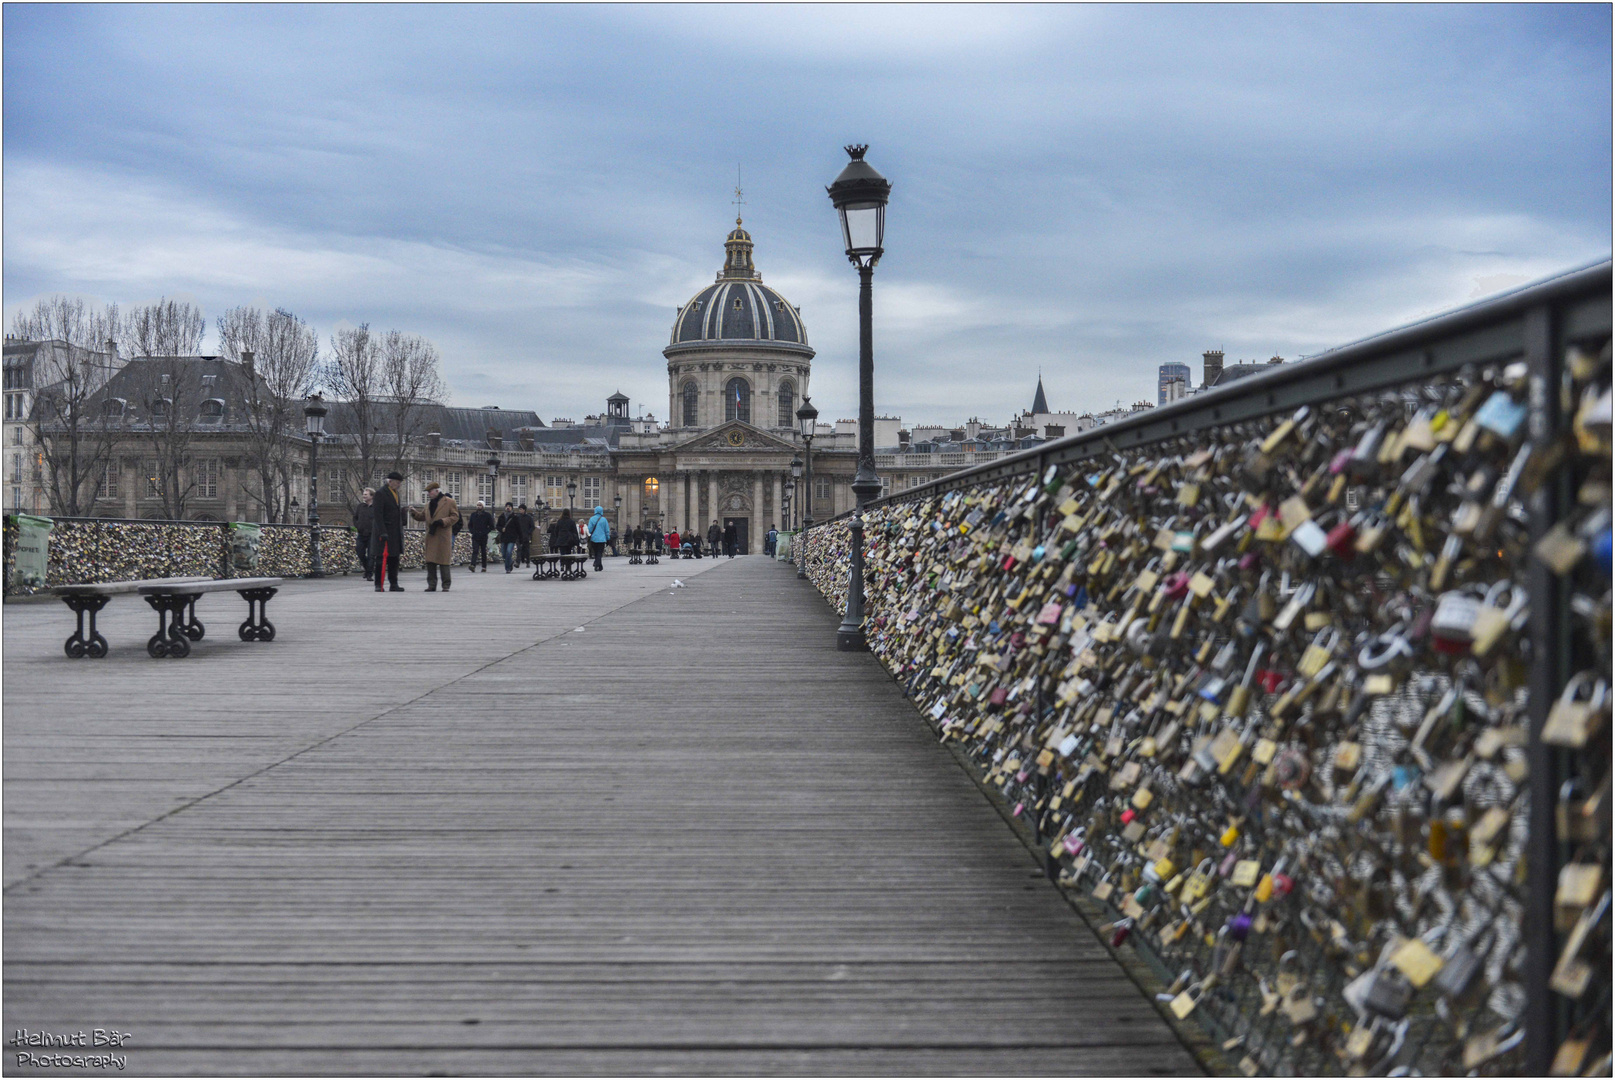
(738, 307)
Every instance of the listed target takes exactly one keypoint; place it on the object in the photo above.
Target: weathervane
(739, 199)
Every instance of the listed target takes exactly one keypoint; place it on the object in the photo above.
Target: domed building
(738, 351)
(738, 362)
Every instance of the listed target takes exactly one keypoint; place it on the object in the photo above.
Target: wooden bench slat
(216, 585)
(114, 588)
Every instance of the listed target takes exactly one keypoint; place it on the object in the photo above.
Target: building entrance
(742, 541)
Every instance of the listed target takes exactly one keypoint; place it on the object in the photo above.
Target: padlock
(1579, 712)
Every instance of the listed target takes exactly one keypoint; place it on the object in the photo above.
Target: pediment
(734, 435)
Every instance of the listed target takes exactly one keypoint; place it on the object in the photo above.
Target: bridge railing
(86, 550)
(1303, 681)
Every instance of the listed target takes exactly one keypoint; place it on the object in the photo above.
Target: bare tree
(74, 360)
(410, 374)
(165, 328)
(279, 357)
(354, 376)
(169, 389)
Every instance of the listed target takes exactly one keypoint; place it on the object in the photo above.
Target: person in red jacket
(673, 541)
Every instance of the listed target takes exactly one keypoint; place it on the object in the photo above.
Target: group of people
(379, 523)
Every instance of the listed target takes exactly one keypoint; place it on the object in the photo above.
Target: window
(555, 491)
(39, 467)
(211, 411)
(485, 487)
(787, 404)
(16, 468)
(821, 487)
(113, 408)
(154, 483)
(691, 398)
(737, 303)
(207, 478)
(159, 406)
(518, 488)
(451, 484)
(337, 482)
(589, 491)
(109, 479)
(737, 400)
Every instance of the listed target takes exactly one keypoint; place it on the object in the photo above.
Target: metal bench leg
(257, 627)
(82, 644)
(187, 623)
(170, 639)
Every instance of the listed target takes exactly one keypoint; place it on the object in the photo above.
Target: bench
(546, 566)
(178, 626)
(85, 600)
(574, 567)
(634, 558)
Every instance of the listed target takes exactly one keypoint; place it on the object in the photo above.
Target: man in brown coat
(440, 514)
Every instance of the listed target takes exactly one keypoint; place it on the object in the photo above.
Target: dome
(738, 307)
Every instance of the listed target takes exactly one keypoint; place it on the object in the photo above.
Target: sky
(1082, 191)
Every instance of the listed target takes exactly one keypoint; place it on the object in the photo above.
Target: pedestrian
(636, 540)
(564, 534)
(387, 533)
(714, 538)
(612, 540)
(770, 541)
(441, 514)
(363, 516)
(599, 533)
(510, 535)
(673, 542)
(731, 540)
(481, 525)
(525, 522)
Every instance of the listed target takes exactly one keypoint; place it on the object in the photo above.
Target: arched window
(112, 408)
(691, 396)
(787, 404)
(210, 411)
(737, 400)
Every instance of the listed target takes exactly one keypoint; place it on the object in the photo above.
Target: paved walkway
(452, 834)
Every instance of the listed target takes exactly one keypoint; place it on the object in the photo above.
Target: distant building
(1042, 422)
(1172, 382)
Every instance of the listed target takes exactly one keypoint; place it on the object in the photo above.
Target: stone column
(712, 498)
(133, 485)
(754, 542)
(778, 511)
(227, 479)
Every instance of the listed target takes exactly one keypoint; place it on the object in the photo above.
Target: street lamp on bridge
(806, 417)
(859, 195)
(314, 411)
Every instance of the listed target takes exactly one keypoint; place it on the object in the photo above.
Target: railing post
(1551, 658)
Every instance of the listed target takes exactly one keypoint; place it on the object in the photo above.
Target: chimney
(434, 439)
(246, 363)
(112, 348)
(525, 440)
(1276, 360)
(495, 439)
(1213, 369)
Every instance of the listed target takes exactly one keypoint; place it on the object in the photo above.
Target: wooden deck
(450, 834)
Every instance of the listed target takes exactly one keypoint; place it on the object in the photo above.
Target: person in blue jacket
(599, 533)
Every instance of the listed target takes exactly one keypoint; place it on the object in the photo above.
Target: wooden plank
(452, 833)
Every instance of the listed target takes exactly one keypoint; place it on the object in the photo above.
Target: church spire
(1040, 403)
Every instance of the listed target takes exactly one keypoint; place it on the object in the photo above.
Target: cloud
(1090, 190)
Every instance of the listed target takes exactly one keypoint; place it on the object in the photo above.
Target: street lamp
(806, 417)
(314, 411)
(571, 494)
(859, 195)
(790, 497)
(493, 478)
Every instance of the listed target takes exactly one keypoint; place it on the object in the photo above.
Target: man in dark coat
(363, 516)
(387, 536)
(731, 539)
(714, 538)
(510, 534)
(481, 524)
(524, 547)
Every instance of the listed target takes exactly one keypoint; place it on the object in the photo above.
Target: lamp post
(571, 494)
(806, 417)
(859, 195)
(314, 411)
(493, 478)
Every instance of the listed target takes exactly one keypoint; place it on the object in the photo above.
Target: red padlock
(1128, 815)
(1177, 586)
(1342, 540)
(1282, 884)
(1269, 680)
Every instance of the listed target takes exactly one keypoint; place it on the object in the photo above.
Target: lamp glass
(862, 225)
(796, 467)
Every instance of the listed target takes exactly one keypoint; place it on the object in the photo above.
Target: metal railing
(1533, 326)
